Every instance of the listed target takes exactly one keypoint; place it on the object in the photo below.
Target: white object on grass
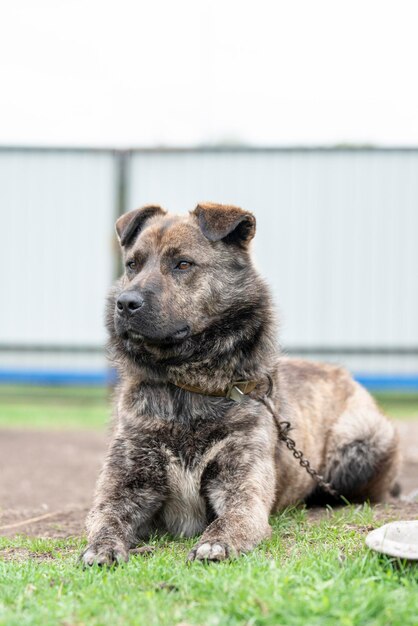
(398, 539)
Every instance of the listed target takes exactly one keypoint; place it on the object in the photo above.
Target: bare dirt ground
(51, 476)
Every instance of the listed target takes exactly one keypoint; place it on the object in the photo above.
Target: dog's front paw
(104, 555)
(211, 551)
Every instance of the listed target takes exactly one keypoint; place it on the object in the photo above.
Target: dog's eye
(184, 265)
(131, 265)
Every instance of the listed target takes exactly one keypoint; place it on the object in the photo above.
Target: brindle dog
(192, 310)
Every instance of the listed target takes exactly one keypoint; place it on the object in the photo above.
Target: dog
(193, 449)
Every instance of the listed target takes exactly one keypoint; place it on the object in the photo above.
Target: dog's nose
(129, 302)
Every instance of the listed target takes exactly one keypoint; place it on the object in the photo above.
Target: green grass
(89, 407)
(54, 407)
(57, 416)
(402, 405)
(308, 574)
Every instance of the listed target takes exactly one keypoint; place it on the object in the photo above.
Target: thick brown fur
(191, 308)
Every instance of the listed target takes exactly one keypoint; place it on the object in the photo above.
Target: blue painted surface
(57, 377)
(389, 382)
(374, 382)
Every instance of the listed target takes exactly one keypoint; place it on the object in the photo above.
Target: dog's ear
(229, 223)
(129, 225)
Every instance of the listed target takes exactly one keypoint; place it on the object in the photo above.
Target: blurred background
(305, 113)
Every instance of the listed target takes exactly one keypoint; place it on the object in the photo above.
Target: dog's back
(342, 432)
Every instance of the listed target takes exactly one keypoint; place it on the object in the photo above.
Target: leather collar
(236, 390)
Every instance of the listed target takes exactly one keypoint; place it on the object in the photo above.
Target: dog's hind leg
(362, 457)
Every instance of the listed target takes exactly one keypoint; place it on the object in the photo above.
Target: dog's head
(182, 273)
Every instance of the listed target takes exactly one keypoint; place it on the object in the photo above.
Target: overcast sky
(181, 72)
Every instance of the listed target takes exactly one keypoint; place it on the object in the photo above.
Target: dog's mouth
(177, 336)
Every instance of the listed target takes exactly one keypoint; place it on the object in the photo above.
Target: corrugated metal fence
(337, 240)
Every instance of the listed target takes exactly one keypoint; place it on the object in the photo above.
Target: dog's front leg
(241, 495)
(129, 493)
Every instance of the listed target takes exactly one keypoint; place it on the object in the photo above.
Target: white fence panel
(56, 255)
(337, 233)
(337, 241)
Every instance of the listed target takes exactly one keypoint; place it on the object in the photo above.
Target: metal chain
(283, 428)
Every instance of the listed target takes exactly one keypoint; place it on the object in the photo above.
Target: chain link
(283, 428)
